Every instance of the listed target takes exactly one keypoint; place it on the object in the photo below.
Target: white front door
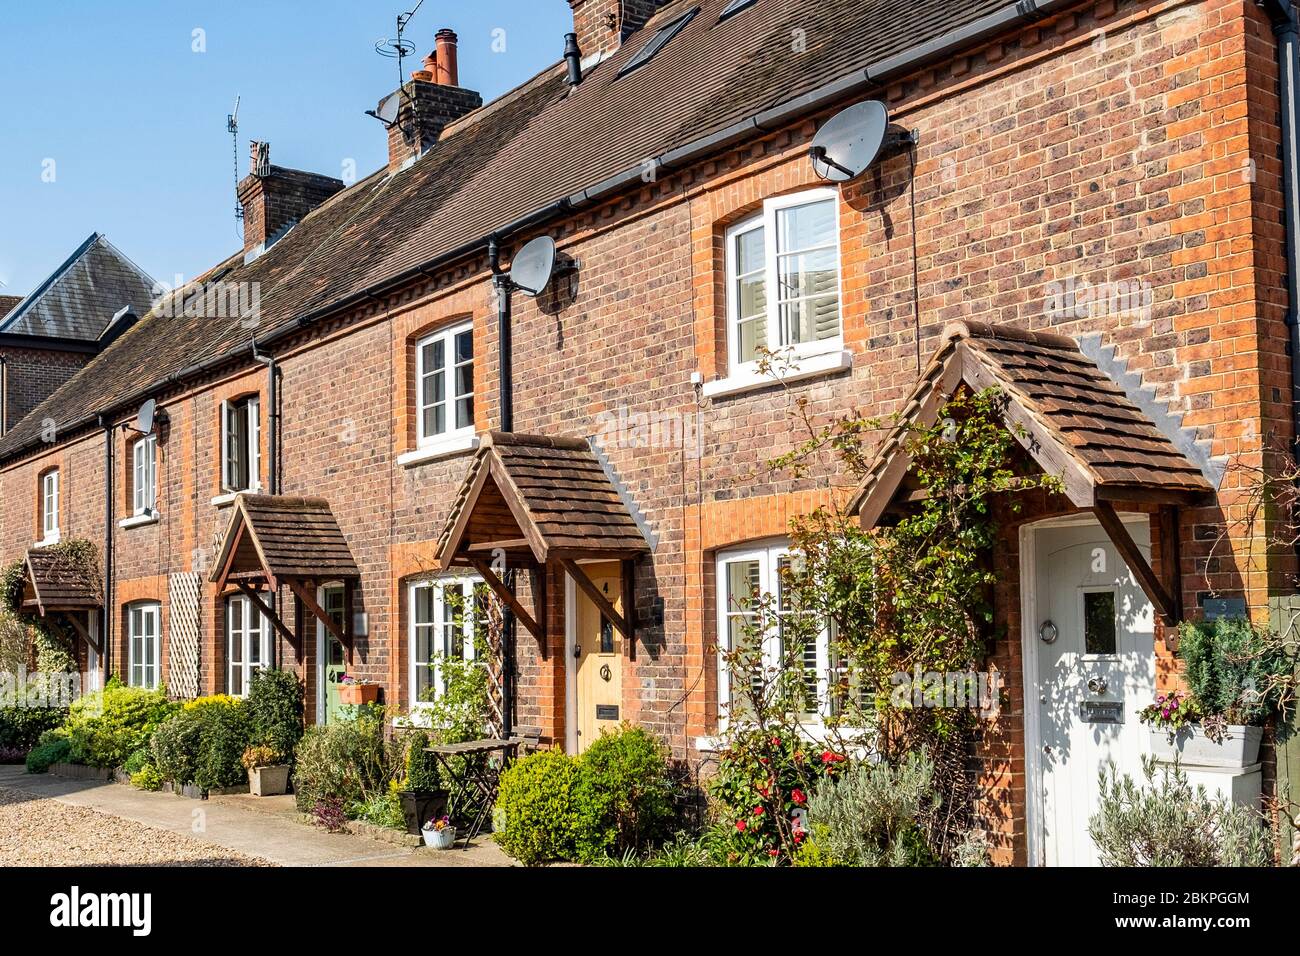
(1093, 638)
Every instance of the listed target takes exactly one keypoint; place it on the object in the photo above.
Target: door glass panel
(1099, 622)
(606, 635)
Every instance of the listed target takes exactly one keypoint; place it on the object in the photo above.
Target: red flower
(758, 811)
(797, 796)
(771, 852)
(776, 741)
(740, 826)
(763, 760)
(827, 756)
(764, 791)
(798, 836)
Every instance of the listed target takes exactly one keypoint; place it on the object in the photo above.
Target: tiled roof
(80, 298)
(285, 538)
(538, 145)
(1078, 424)
(548, 496)
(57, 582)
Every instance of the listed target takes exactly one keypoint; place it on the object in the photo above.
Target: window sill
(442, 449)
(808, 367)
(222, 501)
(139, 521)
(48, 541)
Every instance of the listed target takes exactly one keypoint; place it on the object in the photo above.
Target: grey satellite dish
(534, 266)
(388, 108)
(144, 422)
(850, 142)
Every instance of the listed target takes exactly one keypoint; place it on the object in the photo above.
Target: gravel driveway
(38, 831)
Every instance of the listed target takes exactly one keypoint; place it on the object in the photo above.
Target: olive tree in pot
(275, 706)
(1241, 677)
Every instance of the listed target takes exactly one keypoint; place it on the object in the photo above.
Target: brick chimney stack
(274, 198)
(603, 25)
(430, 101)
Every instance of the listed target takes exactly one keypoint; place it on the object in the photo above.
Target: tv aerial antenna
(232, 127)
(396, 48)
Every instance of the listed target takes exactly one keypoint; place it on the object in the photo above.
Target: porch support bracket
(267, 611)
(83, 633)
(341, 634)
(506, 597)
(602, 603)
(1150, 582)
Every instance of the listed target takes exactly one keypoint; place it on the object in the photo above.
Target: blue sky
(134, 119)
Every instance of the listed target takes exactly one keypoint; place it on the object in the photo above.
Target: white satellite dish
(850, 142)
(144, 421)
(388, 109)
(534, 266)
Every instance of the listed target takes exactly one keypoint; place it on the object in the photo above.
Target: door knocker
(605, 673)
(1047, 633)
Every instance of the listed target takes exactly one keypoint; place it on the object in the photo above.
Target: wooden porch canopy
(1075, 423)
(56, 585)
(274, 542)
(535, 500)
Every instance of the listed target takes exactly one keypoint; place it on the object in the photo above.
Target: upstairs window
(144, 475)
(241, 445)
(445, 384)
(783, 280)
(49, 494)
(657, 42)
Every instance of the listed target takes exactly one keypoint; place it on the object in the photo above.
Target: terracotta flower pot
(358, 694)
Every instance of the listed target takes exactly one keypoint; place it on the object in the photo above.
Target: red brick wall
(32, 376)
(1057, 155)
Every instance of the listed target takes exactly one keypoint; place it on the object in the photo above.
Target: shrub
(259, 755)
(328, 814)
(45, 754)
(869, 816)
(204, 743)
(347, 760)
(422, 773)
(275, 707)
(1235, 670)
(138, 761)
(1167, 823)
(147, 778)
(21, 727)
(383, 810)
(106, 727)
(537, 796)
(625, 794)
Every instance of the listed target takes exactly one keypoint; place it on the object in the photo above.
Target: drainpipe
(272, 467)
(505, 290)
(4, 395)
(106, 628)
(1282, 15)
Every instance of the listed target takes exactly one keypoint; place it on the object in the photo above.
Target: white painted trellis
(186, 628)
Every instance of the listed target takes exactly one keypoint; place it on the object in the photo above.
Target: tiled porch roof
(55, 582)
(1078, 424)
(284, 539)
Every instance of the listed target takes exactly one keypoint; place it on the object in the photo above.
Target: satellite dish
(534, 266)
(386, 112)
(144, 422)
(850, 142)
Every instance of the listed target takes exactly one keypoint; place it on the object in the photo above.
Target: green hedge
(203, 743)
(347, 760)
(105, 727)
(275, 711)
(21, 727)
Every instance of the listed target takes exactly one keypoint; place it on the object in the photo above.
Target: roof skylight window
(657, 42)
(735, 6)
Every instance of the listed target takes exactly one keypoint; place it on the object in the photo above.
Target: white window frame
(451, 435)
(246, 666)
(767, 219)
(252, 446)
(50, 483)
(415, 628)
(144, 476)
(137, 615)
(768, 555)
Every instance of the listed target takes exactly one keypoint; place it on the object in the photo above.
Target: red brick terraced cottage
(1091, 218)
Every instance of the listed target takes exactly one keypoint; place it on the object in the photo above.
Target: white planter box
(1238, 750)
(443, 839)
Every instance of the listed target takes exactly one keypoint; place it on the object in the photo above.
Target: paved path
(266, 829)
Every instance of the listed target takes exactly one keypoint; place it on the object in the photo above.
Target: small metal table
(476, 778)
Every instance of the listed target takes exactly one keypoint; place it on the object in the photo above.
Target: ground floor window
(744, 577)
(247, 645)
(144, 638)
(444, 621)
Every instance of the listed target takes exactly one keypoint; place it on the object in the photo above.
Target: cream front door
(1093, 636)
(598, 648)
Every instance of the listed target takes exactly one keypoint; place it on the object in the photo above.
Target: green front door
(333, 662)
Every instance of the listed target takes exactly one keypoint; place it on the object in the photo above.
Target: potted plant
(353, 692)
(268, 776)
(1240, 678)
(440, 834)
(423, 797)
